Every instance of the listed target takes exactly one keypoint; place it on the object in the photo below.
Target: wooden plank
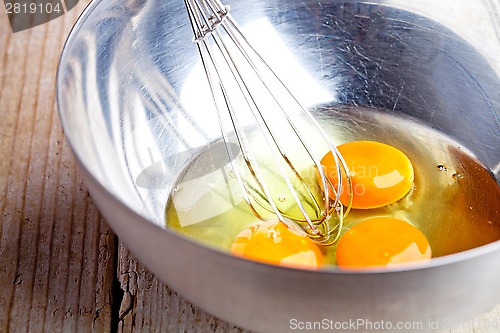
(56, 253)
(13, 171)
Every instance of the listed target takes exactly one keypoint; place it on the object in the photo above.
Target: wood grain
(56, 253)
(61, 267)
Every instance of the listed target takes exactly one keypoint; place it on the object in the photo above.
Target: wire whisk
(281, 144)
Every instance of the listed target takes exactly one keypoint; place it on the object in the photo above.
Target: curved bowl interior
(135, 109)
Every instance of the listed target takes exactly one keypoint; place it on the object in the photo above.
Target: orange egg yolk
(274, 243)
(381, 241)
(380, 174)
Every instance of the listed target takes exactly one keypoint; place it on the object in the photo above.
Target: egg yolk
(381, 241)
(380, 174)
(274, 243)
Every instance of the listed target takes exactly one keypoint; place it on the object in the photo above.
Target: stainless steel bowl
(129, 95)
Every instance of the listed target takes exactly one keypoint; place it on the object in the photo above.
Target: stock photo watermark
(366, 325)
(26, 14)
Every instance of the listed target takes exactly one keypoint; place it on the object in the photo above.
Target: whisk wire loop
(270, 136)
(208, 18)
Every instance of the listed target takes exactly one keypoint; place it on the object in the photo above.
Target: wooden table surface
(61, 267)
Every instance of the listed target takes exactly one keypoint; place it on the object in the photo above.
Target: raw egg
(274, 243)
(381, 174)
(381, 241)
